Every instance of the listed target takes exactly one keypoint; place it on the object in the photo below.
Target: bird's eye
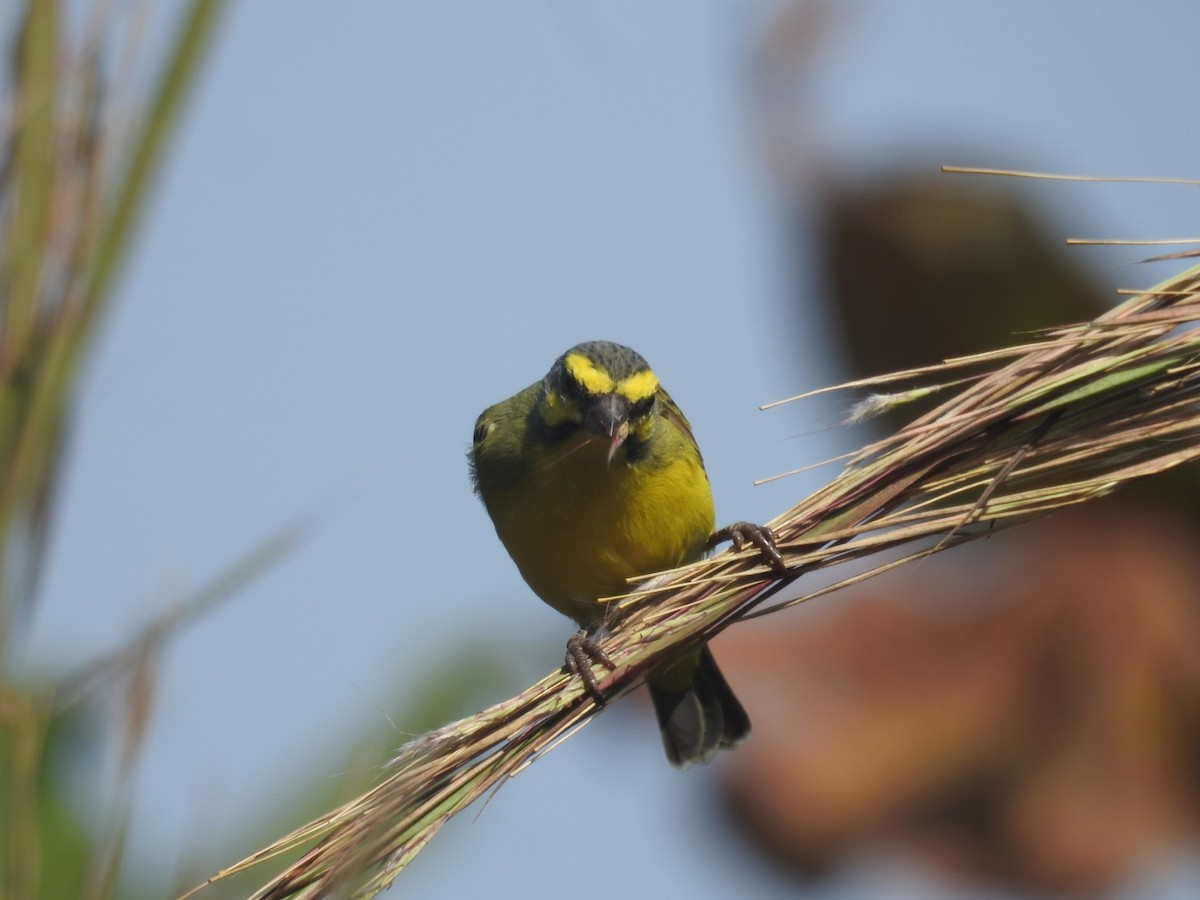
(571, 390)
(483, 427)
(642, 408)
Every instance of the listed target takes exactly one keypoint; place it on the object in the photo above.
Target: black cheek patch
(642, 408)
(636, 450)
(550, 435)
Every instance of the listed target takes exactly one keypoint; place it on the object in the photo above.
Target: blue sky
(380, 218)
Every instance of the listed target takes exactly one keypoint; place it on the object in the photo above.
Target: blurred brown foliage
(1027, 709)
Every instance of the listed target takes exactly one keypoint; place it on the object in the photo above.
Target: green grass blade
(32, 176)
(192, 41)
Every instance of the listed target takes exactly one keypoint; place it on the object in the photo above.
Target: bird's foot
(582, 653)
(742, 533)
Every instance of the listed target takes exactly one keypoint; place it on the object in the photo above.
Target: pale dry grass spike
(1034, 428)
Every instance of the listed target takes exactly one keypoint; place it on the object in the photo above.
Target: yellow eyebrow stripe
(593, 379)
(640, 386)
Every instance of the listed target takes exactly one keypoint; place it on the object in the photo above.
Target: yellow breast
(578, 527)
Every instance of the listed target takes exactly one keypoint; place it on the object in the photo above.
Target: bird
(592, 477)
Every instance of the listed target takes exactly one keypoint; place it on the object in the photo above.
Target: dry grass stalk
(75, 172)
(1037, 427)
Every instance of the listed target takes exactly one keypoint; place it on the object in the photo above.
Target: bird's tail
(697, 712)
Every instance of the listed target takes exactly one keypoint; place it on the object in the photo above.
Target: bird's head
(603, 390)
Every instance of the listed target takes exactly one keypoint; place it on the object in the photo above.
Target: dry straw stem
(72, 186)
(79, 149)
(1031, 429)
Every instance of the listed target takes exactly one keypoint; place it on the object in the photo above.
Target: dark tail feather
(697, 717)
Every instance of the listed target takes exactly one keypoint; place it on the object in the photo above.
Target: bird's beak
(618, 438)
(608, 418)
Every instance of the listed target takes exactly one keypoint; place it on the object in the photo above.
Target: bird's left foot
(582, 653)
(742, 533)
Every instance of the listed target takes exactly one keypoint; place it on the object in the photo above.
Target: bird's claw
(582, 653)
(742, 533)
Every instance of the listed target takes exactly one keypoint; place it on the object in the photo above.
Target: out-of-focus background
(373, 222)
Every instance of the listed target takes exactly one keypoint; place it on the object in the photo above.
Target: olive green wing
(496, 456)
(670, 411)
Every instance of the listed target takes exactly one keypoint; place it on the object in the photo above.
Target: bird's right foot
(583, 652)
(742, 533)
